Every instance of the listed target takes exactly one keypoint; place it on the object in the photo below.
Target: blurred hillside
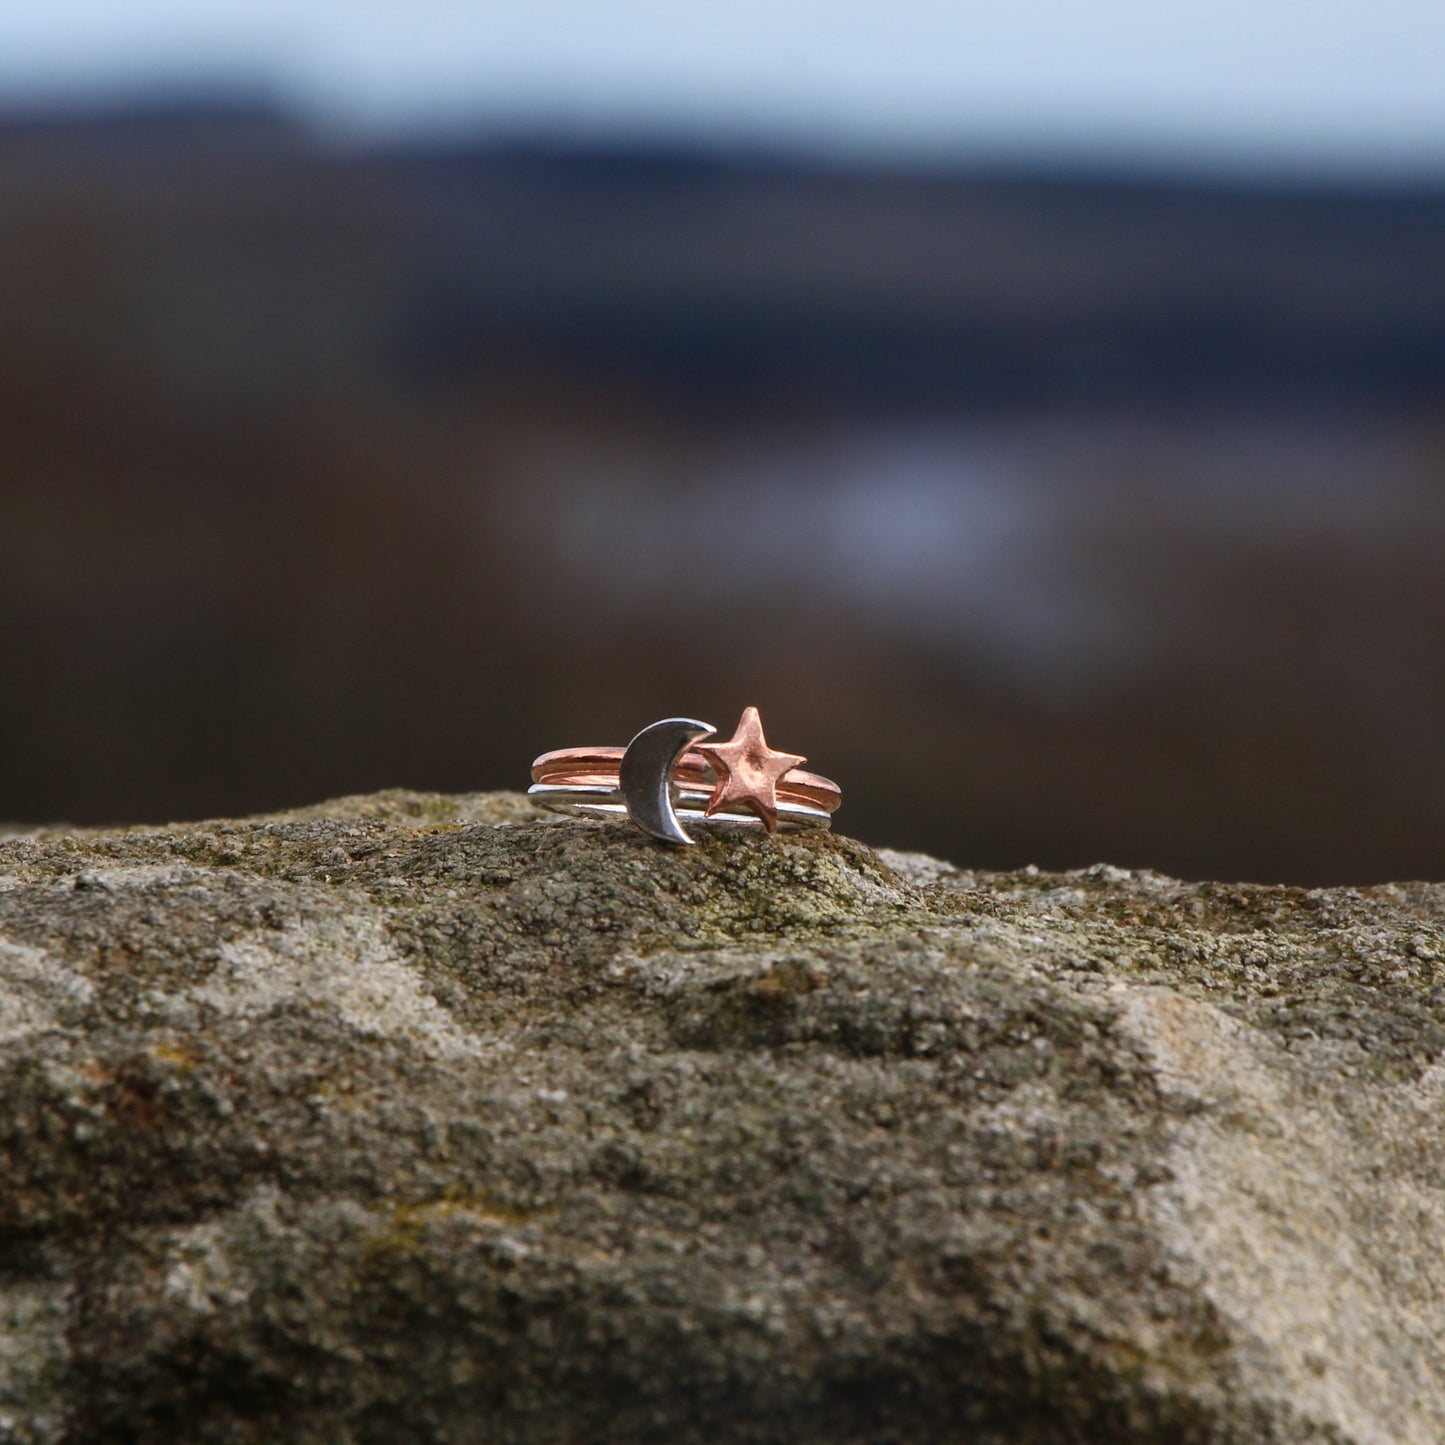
(1058, 516)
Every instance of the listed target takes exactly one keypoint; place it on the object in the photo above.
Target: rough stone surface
(414, 1118)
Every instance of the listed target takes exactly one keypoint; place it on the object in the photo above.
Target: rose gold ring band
(598, 767)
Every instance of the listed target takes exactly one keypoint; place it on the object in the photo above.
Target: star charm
(748, 770)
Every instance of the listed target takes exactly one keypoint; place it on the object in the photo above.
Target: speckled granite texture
(424, 1119)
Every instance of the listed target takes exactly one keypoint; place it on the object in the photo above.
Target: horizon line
(259, 102)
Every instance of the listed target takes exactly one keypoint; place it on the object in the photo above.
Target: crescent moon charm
(645, 775)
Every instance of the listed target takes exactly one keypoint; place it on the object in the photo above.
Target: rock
(413, 1118)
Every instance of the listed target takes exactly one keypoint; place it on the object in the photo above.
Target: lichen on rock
(423, 1118)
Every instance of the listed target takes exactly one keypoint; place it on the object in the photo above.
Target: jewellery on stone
(668, 775)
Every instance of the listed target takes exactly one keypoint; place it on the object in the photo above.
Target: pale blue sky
(1315, 81)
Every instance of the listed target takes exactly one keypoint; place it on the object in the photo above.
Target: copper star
(748, 770)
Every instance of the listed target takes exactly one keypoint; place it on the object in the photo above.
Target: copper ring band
(598, 767)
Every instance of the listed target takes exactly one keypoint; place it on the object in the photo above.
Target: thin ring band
(601, 801)
(592, 767)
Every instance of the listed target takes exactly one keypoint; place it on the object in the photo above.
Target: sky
(1333, 83)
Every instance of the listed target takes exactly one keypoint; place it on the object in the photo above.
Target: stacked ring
(667, 775)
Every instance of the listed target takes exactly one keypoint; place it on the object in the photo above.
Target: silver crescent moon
(645, 775)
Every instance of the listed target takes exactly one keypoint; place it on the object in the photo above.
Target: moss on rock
(423, 1118)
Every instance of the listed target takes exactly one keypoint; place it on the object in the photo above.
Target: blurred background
(1036, 410)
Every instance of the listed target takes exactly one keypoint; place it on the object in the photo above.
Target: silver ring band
(689, 805)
